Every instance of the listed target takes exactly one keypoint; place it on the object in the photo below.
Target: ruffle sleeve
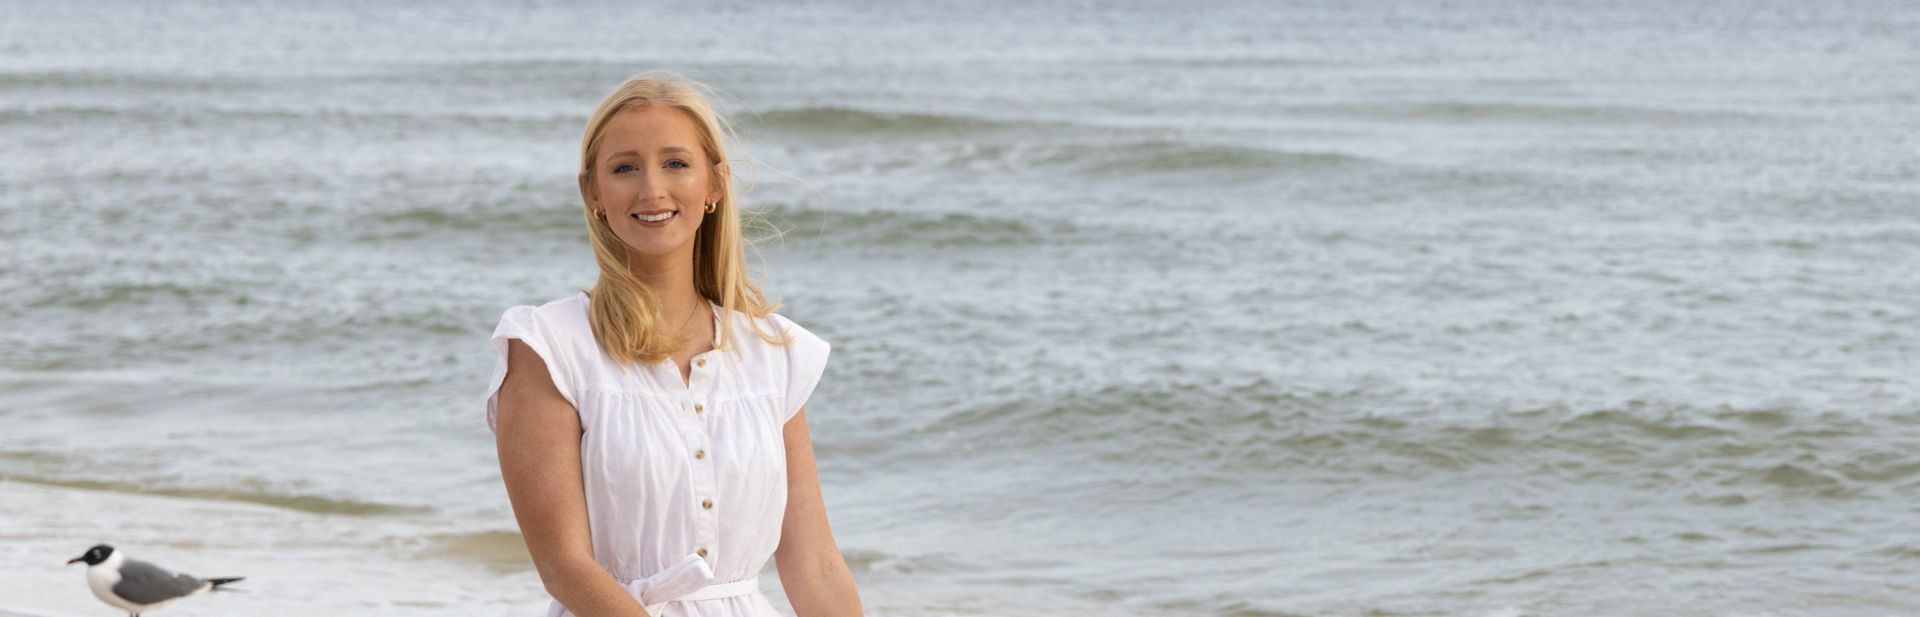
(806, 363)
(522, 322)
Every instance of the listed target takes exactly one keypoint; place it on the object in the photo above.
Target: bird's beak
(76, 560)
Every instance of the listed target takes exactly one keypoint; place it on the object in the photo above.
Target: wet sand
(295, 562)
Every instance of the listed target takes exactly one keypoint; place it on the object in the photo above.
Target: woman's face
(650, 164)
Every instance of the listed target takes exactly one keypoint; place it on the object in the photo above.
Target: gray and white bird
(138, 586)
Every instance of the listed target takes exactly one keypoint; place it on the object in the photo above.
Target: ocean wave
(919, 229)
(863, 560)
(1154, 157)
(1223, 60)
(112, 293)
(1531, 113)
(1227, 433)
(851, 120)
(1108, 158)
(176, 112)
(418, 221)
(499, 549)
(1901, 551)
(64, 80)
(305, 503)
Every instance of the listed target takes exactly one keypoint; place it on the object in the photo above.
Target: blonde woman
(651, 431)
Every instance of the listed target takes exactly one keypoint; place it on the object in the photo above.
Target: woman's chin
(656, 248)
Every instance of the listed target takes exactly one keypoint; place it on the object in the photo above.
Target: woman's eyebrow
(666, 150)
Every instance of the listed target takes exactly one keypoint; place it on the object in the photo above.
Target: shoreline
(293, 560)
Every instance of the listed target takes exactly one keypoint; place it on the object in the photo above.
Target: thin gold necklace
(690, 315)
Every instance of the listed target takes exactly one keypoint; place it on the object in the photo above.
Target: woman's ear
(586, 190)
(720, 179)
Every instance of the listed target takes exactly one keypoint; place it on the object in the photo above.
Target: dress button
(701, 552)
(708, 504)
(699, 453)
(697, 408)
(700, 362)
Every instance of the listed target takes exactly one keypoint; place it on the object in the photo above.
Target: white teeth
(656, 218)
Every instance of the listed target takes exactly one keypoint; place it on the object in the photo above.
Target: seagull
(138, 586)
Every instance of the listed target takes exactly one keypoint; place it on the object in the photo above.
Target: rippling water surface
(1212, 309)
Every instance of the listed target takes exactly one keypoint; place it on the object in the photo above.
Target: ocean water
(1233, 308)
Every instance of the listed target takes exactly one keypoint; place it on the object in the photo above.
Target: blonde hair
(626, 314)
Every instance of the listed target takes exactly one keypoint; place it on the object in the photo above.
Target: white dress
(686, 482)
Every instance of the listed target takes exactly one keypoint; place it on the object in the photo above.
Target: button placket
(698, 392)
(700, 387)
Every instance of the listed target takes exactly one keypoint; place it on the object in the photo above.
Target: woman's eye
(622, 168)
(676, 164)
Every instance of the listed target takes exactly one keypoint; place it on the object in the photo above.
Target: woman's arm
(812, 571)
(538, 436)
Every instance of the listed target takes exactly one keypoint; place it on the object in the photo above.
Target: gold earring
(712, 206)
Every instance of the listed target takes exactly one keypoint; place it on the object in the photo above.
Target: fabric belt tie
(689, 580)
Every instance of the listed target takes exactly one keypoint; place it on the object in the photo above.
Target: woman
(650, 430)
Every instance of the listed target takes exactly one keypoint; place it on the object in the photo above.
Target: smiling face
(649, 164)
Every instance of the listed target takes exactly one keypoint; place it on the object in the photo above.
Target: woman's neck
(671, 280)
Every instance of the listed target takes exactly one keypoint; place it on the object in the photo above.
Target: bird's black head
(94, 555)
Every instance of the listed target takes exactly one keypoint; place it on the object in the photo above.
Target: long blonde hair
(626, 314)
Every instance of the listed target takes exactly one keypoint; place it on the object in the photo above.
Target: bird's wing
(145, 583)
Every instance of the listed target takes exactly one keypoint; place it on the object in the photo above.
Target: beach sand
(296, 563)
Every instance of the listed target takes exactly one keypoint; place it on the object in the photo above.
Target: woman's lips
(660, 223)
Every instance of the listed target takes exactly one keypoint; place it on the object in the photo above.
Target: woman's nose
(652, 189)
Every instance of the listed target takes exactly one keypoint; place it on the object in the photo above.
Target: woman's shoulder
(780, 326)
(558, 319)
(748, 331)
(801, 361)
(557, 312)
